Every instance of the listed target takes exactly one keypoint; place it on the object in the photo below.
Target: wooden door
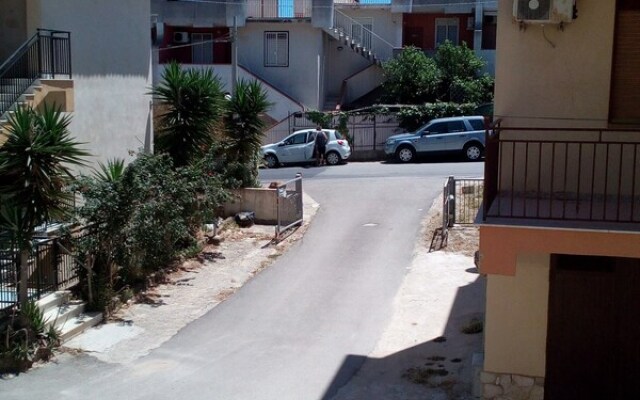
(593, 349)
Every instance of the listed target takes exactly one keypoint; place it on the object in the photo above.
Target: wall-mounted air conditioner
(543, 11)
(180, 37)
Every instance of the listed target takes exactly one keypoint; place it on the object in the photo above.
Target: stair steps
(68, 316)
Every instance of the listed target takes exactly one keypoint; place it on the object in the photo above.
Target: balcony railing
(45, 55)
(277, 9)
(563, 174)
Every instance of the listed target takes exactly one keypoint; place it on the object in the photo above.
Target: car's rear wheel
(271, 161)
(333, 158)
(473, 151)
(405, 154)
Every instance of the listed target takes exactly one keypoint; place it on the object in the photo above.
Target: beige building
(93, 58)
(560, 239)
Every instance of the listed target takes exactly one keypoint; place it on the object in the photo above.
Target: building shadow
(446, 362)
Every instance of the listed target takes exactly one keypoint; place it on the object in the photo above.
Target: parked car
(440, 136)
(297, 148)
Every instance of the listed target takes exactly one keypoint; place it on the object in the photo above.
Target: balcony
(278, 9)
(571, 178)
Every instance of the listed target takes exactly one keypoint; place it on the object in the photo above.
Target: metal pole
(234, 55)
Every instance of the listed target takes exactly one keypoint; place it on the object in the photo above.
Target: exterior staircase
(45, 56)
(68, 316)
(359, 38)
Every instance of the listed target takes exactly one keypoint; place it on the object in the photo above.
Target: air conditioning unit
(180, 37)
(543, 11)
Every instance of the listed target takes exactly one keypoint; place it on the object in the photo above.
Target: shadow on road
(444, 362)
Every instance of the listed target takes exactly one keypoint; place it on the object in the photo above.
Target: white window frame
(276, 48)
(199, 43)
(449, 23)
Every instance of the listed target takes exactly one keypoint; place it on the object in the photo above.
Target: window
(202, 48)
(447, 29)
(300, 138)
(489, 29)
(276, 49)
(624, 107)
(477, 124)
(447, 127)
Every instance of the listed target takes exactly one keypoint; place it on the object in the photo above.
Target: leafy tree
(452, 75)
(457, 62)
(192, 105)
(245, 128)
(460, 72)
(410, 78)
(35, 170)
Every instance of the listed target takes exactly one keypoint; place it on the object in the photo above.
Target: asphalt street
(285, 334)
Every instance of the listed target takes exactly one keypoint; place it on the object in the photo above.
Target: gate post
(451, 183)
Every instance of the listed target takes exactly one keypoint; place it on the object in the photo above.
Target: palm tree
(34, 172)
(245, 128)
(191, 103)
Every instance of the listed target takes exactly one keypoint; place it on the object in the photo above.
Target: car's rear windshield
(477, 124)
(338, 135)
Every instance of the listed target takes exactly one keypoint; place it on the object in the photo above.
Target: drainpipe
(234, 55)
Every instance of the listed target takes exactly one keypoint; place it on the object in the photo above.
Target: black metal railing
(563, 174)
(46, 55)
(52, 265)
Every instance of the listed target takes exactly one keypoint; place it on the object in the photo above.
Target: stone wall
(511, 387)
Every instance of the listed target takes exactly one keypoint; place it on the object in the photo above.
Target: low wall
(261, 201)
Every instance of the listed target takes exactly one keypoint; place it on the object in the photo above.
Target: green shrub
(25, 338)
(145, 219)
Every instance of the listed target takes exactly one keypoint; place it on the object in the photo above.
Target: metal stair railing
(361, 38)
(46, 54)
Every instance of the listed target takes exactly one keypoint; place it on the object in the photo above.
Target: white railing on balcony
(279, 8)
(366, 2)
(362, 36)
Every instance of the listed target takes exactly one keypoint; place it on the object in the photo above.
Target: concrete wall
(13, 26)
(342, 62)
(301, 79)
(516, 318)
(111, 50)
(551, 77)
(198, 14)
(264, 202)
(281, 107)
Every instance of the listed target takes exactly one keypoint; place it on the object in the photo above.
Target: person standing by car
(320, 146)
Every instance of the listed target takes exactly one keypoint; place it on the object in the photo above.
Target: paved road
(286, 333)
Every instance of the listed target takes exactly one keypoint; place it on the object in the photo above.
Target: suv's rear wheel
(473, 151)
(405, 154)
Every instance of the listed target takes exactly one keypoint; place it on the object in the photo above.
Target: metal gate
(289, 206)
(461, 200)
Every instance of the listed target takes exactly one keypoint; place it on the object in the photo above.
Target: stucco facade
(562, 180)
(111, 65)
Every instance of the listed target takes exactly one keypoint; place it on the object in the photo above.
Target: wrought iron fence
(575, 174)
(46, 55)
(461, 201)
(290, 207)
(51, 266)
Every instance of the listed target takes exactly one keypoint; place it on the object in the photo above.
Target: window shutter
(625, 82)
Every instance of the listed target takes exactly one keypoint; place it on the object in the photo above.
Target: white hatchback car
(298, 147)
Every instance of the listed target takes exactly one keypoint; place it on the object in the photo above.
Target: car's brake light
(341, 142)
